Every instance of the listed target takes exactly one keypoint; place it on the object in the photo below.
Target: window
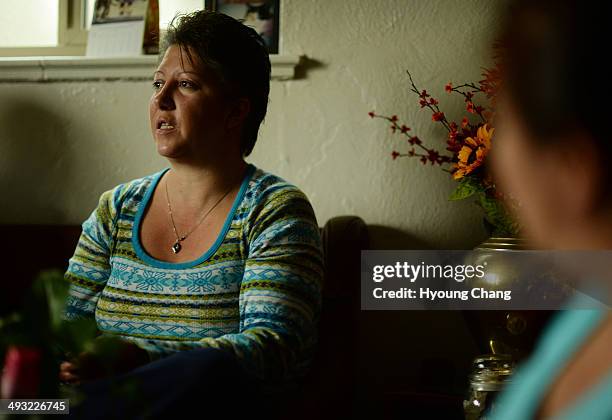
(168, 9)
(33, 31)
(29, 23)
(59, 27)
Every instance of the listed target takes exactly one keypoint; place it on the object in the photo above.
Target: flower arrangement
(467, 146)
(34, 340)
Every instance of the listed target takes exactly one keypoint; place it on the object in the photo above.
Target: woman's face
(187, 111)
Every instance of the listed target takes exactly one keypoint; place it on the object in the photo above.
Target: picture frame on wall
(263, 16)
(108, 11)
(123, 28)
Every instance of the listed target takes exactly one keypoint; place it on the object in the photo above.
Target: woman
(211, 254)
(553, 155)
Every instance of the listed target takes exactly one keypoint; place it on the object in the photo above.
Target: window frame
(71, 36)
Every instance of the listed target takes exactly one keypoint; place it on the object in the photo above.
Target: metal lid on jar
(503, 244)
(491, 372)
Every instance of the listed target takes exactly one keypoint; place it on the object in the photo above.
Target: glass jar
(490, 373)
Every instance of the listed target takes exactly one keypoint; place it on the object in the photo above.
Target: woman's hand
(107, 357)
(69, 373)
(86, 367)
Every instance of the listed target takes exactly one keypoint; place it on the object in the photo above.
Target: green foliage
(55, 290)
(40, 324)
(73, 337)
(41, 321)
(468, 186)
(106, 349)
(497, 219)
(497, 216)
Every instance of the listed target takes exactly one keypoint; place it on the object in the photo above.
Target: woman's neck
(194, 185)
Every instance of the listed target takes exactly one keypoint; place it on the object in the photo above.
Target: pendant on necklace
(176, 248)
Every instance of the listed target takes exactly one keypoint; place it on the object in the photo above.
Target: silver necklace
(176, 246)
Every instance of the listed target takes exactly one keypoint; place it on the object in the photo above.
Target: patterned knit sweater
(255, 292)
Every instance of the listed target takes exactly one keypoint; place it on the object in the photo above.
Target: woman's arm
(88, 272)
(89, 268)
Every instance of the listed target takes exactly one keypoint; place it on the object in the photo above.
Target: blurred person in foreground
(553, 154)
(208, 272)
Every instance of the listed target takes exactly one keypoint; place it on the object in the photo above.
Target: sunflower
(473, 152)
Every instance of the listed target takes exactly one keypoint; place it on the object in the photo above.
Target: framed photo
(120, 28)
(110, 11)
(259, 15)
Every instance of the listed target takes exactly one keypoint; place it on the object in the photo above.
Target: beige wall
(62, 144)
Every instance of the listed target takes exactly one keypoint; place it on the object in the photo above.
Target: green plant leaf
(468, 186)
(497, 215)
(56, 292)
(73, 336)
(44, 306)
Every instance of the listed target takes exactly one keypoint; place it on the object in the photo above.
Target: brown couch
(329, 389)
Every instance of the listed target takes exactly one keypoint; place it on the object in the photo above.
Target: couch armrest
(343, 239)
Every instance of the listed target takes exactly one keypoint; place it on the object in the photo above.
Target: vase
(503, 331)
(503, 337)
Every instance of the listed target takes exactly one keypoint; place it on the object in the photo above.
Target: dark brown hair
(553, 60)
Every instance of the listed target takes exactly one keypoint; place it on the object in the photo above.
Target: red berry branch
(426, 155)
(456, 134)
(468, 142)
